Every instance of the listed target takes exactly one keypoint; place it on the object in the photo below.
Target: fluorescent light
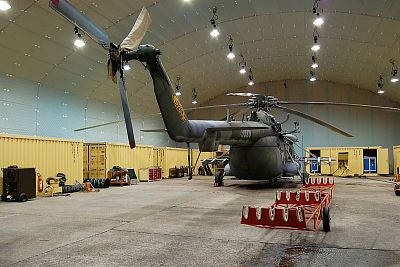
(4, 5)
(214, 33)
(315, 47)
(178, 93)
(314, 65)
(394, 79)
(251, 83)
(313, 79)
(126, 66)
(381, 92)
(194, 102)
(242, 70)
(318, 21)
(79, 42)
(231, 55)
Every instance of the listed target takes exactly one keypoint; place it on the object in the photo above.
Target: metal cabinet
(370, 164)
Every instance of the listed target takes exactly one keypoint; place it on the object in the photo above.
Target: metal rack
(300, 210)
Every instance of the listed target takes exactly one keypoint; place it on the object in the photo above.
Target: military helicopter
(259, 148)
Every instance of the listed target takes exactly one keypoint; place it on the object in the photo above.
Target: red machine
(300, 210)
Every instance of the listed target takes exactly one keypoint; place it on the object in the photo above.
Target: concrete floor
(177, 222)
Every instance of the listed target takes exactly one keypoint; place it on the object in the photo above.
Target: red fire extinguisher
(40, 183)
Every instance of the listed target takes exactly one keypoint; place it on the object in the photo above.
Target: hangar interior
(61, 114)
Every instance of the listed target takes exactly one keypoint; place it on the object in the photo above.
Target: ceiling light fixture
(380, 84)
(178, 86)
(316, 46)
(251, 79)
(242, 65)
(312, 78)
(79, 42)
(4, 5)
(230, 55)
(194, 96)
(318, 20)
(314, 65)
(214, 32)
(394, 78)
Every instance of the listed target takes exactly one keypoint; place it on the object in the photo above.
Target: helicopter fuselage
(258, 161)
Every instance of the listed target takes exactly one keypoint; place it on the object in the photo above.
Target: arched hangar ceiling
(357, 41)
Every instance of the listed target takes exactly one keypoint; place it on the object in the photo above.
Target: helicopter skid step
(300, 210)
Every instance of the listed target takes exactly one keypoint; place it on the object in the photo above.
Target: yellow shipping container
(350, 160)
(103, 156)
(48, 155)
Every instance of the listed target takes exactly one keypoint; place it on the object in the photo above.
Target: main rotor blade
(318, 121)
(79, 19)
(338, 104)
(112, 122)
(98, 125)
(243, 94)
(186, 109)
(135, 36)
(125, 108)
(217, 106)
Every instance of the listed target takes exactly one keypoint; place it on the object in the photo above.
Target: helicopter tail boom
(172, 112)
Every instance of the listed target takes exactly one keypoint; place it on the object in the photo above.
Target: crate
(151, 174)
(144, 175)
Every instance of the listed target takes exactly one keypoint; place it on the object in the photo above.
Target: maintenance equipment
(397, 189)
(300, 210)
(18, 184)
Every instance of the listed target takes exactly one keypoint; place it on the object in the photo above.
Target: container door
(325, 167)
(383, 161)
(395, 163)
(366, 164)
(372, 164)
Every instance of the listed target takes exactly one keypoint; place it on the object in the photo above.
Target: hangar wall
(370, 127)
(30, 109)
